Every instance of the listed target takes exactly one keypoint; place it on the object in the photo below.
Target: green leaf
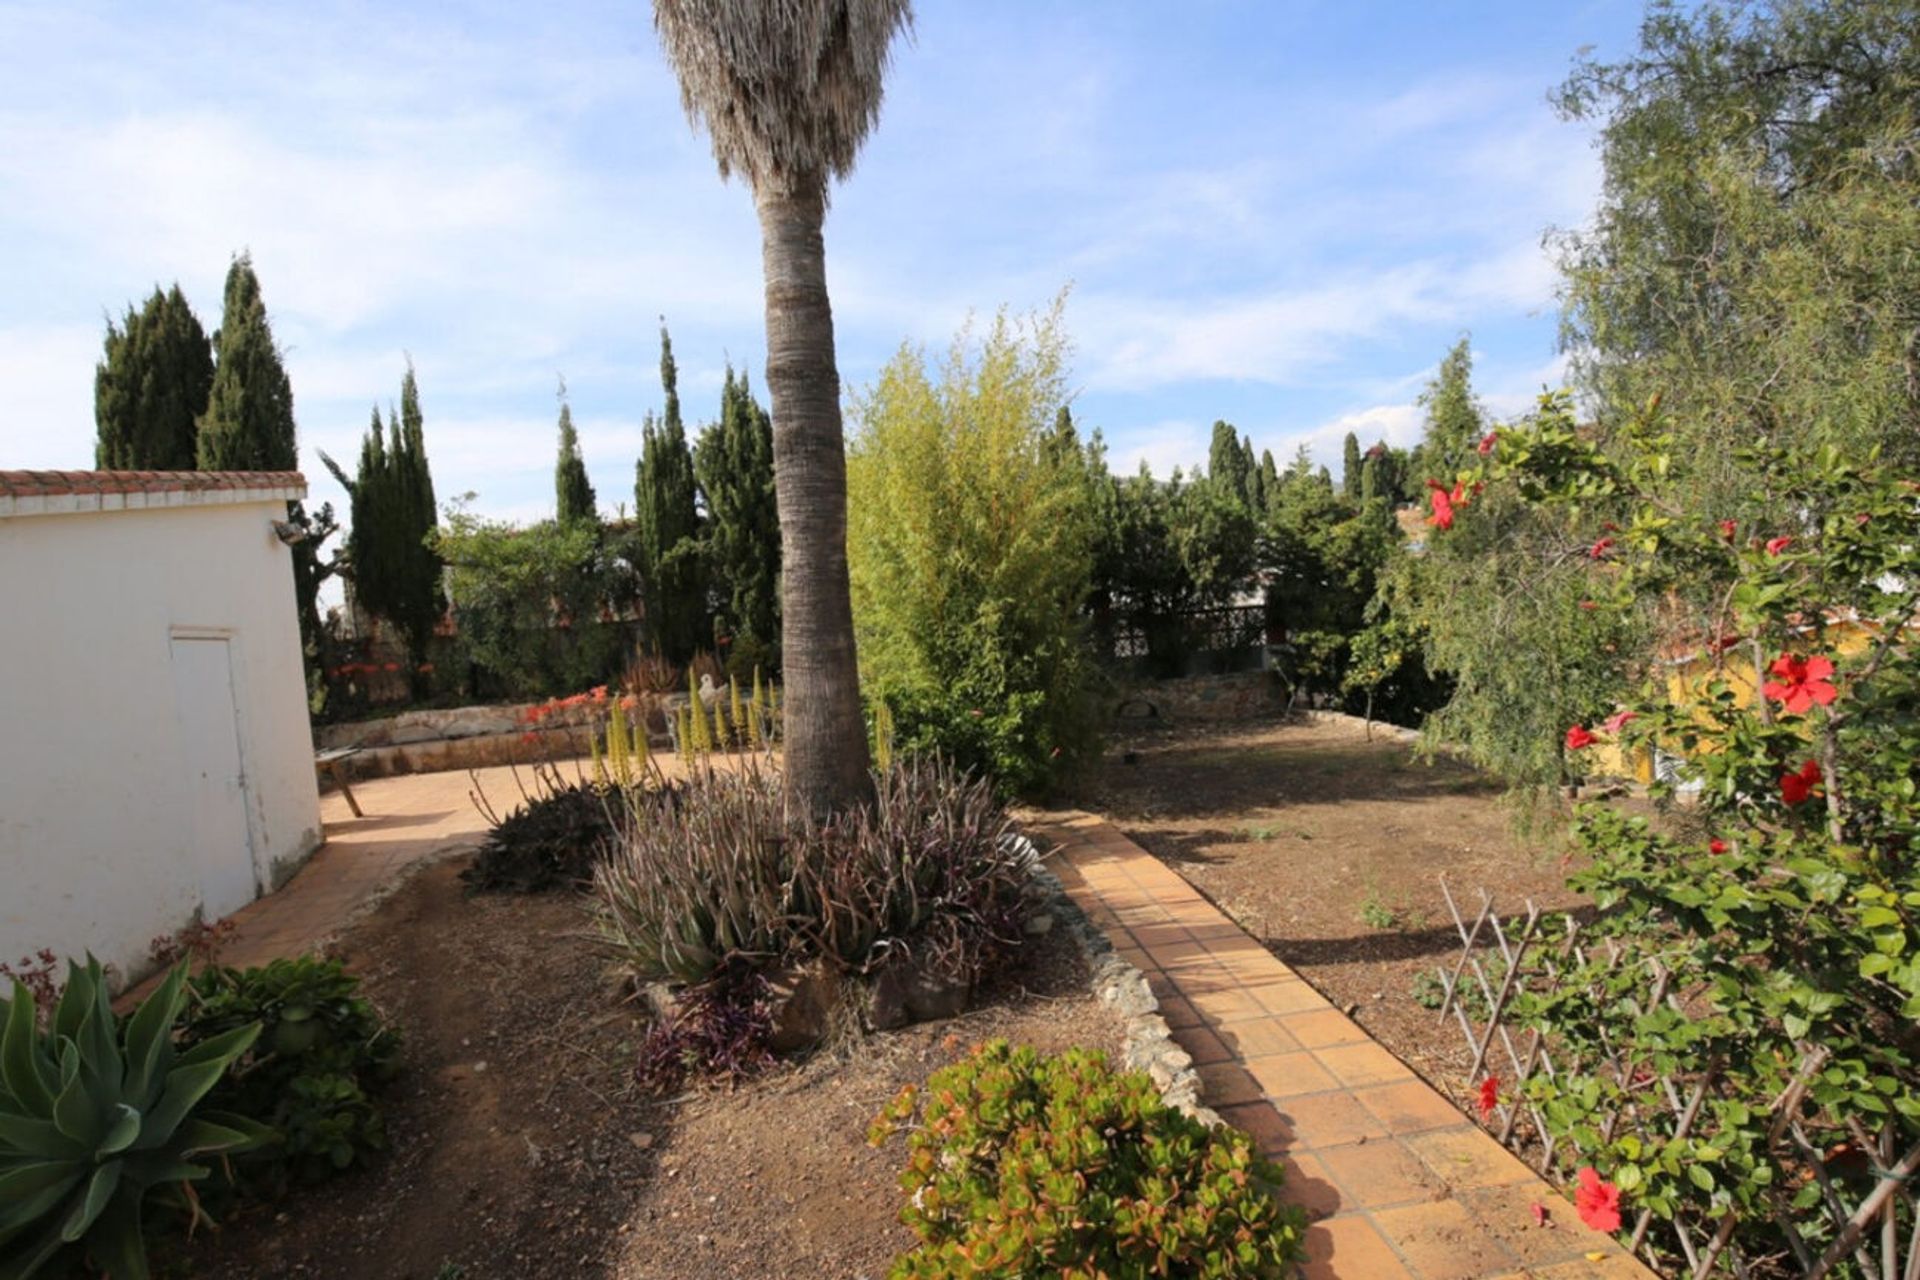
(105, 1180)
(149, 1031)
(26, 1077)
(121, 1130)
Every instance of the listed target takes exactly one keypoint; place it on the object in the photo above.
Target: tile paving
(1399, 1182)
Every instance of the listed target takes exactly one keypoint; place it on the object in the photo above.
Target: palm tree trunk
(824, 734)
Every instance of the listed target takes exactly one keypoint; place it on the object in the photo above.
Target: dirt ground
(522, 1147)
(1330, 849)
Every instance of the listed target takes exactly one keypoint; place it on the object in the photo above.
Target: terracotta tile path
(1399, 1182)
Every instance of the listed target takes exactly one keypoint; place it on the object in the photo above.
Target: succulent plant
(95, 1118)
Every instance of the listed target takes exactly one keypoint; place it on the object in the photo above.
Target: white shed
(156, 762)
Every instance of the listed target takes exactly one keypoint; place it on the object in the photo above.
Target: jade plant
(1024, 1165)
(96, 1119)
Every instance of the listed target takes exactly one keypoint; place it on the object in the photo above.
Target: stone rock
(904, 993)
(803, 999)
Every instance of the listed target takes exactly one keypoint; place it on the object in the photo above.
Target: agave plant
(93, 1120)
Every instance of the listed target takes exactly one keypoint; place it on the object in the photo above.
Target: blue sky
(1277, 213)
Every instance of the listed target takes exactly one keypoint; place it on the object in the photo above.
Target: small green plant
(1023, 1165)
(323, 1054)
(1374, 912)
(96, 1118)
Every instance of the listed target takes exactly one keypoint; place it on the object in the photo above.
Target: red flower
(1598, 550)
(1489, 1097)
(1618, 720)
(1578, 737)
(1726, 529)
(1776, 545)
(1485, 446)
(393, 666)
(425, 668)
(1802, 682)
(1716, 846)
(1540, 1216)
(599, 693)
(1597, 1201)
(1589, 605)
(1797, 788)
(1442, 501)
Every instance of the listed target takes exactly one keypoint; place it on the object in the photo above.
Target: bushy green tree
(734, 464)
(1321, 555)
(151, 386)
(526, 600)
(1228, 464)
(248, 422)
(667, 526)
(572, 491)
(1752, 258)
(970, 551)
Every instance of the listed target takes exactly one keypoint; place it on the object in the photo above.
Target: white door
(216, 782)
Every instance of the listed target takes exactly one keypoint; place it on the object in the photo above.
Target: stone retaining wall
(1239, 695)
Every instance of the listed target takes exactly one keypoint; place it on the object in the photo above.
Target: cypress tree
(1370, 478)
(1269, 479)
(248, 423)
(152, 386)
(734, 465)
(573, 492)
(396, 574)
(667, 524)
(1226, 465)
(1350, 466)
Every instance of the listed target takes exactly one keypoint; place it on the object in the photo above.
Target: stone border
(1149, 1045)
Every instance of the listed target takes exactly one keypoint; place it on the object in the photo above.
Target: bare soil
(522, 1146)
(1330, 848)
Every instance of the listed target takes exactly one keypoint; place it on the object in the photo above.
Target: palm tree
(788, 90)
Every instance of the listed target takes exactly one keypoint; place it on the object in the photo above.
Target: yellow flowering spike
(736, 713)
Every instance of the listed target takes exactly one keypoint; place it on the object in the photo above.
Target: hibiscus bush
(1759, 936)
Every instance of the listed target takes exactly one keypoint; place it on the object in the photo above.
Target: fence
(1865, 1183)
(1171, 642)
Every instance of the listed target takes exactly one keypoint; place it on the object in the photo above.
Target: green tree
(572, 491)
(1227, 464)
(667, 524)
(248, 423)
(1269, 479)
(1322, 556)
(788, 93)
(970, 550)
(1350, 466)
(151, 387)
(734, 465)
(1455, 420)
(395, 570)
(1751, 261)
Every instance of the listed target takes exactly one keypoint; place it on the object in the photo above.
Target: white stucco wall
(96, 829)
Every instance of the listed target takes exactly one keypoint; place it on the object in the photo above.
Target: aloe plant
(93, 1119)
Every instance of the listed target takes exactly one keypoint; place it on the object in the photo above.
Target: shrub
(323, 1053)
(969, 552)
(724, 1029)
(1024, 1165)
(96, 1118)
(720, 873)
(551, 841)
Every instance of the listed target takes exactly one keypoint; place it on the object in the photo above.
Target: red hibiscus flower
(1578, 737)
(1489, 1097)
(1798, 788)
(1716, 846)
(1726, 529)
(1776, 545)
(1442, 503)
(1597, 1201)
(1801, 683)
(1618, 721)
(1485, 446)
(1598, 551)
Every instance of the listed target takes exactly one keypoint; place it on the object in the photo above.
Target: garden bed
(1329, 848)
(523, 1147)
